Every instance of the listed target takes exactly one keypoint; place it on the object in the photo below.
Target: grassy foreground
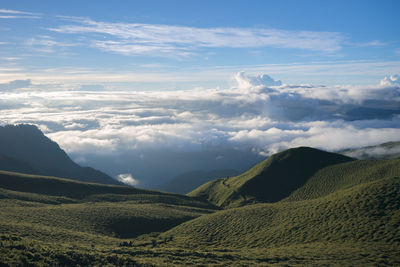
(343, 214)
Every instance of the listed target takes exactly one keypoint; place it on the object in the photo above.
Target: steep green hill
(269, 181)
(24, 148)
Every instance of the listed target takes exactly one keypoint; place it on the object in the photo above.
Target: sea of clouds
(129, 131)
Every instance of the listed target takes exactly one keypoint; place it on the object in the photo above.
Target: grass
(367, 212)
(345, 175)
(343, 214)
(269, 181)
(31, 202)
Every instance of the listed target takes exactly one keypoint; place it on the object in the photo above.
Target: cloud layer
(257, 116)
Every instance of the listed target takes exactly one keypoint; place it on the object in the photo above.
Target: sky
(184, 85)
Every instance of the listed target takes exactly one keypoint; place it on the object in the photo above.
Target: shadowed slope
(32, 152)
(271, 180)
(35, 204)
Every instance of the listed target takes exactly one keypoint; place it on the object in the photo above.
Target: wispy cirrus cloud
(16, 14)
(139, 38)
(47, 44)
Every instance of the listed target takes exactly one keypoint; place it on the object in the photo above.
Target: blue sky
(180, 44)
(135, 88)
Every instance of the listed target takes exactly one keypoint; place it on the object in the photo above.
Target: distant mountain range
(24, 148)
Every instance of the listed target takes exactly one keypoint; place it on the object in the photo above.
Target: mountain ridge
(24, 148)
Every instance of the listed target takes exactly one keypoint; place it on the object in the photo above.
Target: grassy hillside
(91, 208)
(269, 181)
(189, 181)
(345, 175)
(344, 214)
(365, 212)
(365, 217)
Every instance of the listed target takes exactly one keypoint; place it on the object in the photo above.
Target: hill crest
(271, 180)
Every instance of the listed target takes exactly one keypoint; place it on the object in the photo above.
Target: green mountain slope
(189, 181)
(24, 148)
(345, 175)
(369, 212)
(269, 181)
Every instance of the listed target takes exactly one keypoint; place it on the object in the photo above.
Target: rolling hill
(88, 207)
(269, 181)
(189, 181)
(346, 214)
(24, 148)
(340, 211)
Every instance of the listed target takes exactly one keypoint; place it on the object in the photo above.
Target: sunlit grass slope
(345, 175)
(269, 181)
(367, 213)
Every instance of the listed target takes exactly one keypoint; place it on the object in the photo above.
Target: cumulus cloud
(16, 84)
(248, 81)
(391, 80)
(127, 178)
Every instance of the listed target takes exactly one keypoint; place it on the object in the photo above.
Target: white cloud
(47, 44)
(127, 178)
(391, 80)
(16, 14)
(158, 39)
(246, 81)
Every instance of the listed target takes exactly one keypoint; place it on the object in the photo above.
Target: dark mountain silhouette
(24, 148)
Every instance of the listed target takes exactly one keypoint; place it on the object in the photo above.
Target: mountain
(389, 150)
(24, 148)
(346, 214)
(269, 181)
(189, 181)
(367, 212)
